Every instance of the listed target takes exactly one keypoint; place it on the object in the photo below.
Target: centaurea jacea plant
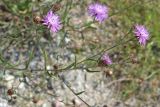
(98, 11)
(105, 59)
(141, 33)
(52, 20)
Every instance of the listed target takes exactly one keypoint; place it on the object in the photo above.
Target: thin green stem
(72, 90)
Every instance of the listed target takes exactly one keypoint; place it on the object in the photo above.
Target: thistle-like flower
(141, 33)
(52, 21)
(105, 59)
(98, 11)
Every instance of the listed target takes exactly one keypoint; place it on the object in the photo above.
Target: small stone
(9, 77)
(4, 103)
(57, 104)
(105, 106)
(46, 105)
(76, 102)
(10, 80)
(22, 86)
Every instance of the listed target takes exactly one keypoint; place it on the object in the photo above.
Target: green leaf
(80, 93)
(91, 71)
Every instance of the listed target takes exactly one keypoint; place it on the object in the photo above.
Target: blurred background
(29, 53)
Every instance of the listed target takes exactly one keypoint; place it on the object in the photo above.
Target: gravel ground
(33, 91)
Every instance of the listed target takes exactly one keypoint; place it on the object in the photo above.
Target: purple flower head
(52, 21)
(106, 59)
(98, 11)
(141, 33)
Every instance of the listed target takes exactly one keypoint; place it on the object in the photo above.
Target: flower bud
(10, 92)
(56, 7)
(37, 19)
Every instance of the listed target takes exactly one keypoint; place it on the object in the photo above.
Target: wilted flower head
(52, 21)
(98, 11)
(105, 59)
(141, 33)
